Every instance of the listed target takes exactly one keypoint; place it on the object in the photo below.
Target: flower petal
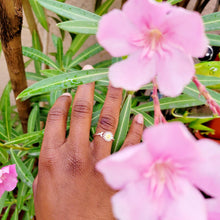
(10, 182)
(213, 206)
(133, 202)
(171, 140)
(115, 33)
(188, 204)
(124, 166)
(146, 14)
(175, 69)
(184, 34)
(132, 73)
(205, 175)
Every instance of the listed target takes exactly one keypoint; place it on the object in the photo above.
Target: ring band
(107, 136)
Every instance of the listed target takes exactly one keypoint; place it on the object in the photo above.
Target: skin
(67, 185)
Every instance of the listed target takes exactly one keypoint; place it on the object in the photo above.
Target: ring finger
(108, 122)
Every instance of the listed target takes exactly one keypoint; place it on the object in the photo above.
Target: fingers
(135, 132)
(55, 130)
(108, 121)
(81, 116)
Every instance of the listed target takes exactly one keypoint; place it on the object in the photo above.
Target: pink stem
(158, 116)
(215, 108)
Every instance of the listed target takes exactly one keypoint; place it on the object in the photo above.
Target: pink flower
(160, 178)
(8, 178)
(213, 206)
(159, 40)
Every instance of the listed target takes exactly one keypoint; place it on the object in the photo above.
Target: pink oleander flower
(8, 178)
(159, 40)
(213, 206)
(161, 178)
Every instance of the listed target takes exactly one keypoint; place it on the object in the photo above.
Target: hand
(67, 185)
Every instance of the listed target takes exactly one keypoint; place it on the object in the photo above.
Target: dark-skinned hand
(67, 186)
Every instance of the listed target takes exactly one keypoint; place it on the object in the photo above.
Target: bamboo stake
(10, 35)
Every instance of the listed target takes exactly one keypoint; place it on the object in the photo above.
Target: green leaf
(39, 13)
(36, 45)
(34, 76)
(64, 81)
(148, 120)
(173, 2)
(59, 55)
(214, 39)
(34, 119)
(181, 101)
(54, 95)
(212, 21)
(5, 216)
(98, 97)
(123, 124)
(104, 7)
(192, 91)
(38, 56)
(2, 200)
(50, 72)
(27, 138)
(23, 173)
(76, 44)
(15, 214)
(210, 71)
(89, 52)
(3, 156)
(6, 110)
(69, 11)
(80, 27)
(3, 133)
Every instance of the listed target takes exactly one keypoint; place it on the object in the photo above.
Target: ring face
(107, 136)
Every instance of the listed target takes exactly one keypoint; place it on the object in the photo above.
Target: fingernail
(88, 67)
(140, 119)
(66, 94)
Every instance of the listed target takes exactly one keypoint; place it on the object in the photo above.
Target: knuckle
(48, 161)
(82, 108)
(74, 164)
(107, 122)
(56, 114)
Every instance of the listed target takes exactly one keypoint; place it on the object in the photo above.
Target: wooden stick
(10, 35)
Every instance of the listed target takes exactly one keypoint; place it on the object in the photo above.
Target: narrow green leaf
(208, 73)
(64, 81)
(38, 56)
(3, 133)
(123, 124)
(34, 76)
(89, 52)
(2, 200)
(214, 39)
(54, 95)
(34, 118)
(3, 156)
(39, 13)
(192, 91)
(69, 11)
(5, 216)
(23, 173)
(79, 27)
(6, 110)
(104, 7)
(95, 117)
(212, 21)
(59, 55)
(148, 120)
(99, 98)
(173, 2)
(76, 44)
(36, 45)
(15, 214)
(181, 101)
(50, 72)
(27, 138)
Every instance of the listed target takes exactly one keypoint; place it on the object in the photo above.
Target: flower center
(154, 38)
(161, 174)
